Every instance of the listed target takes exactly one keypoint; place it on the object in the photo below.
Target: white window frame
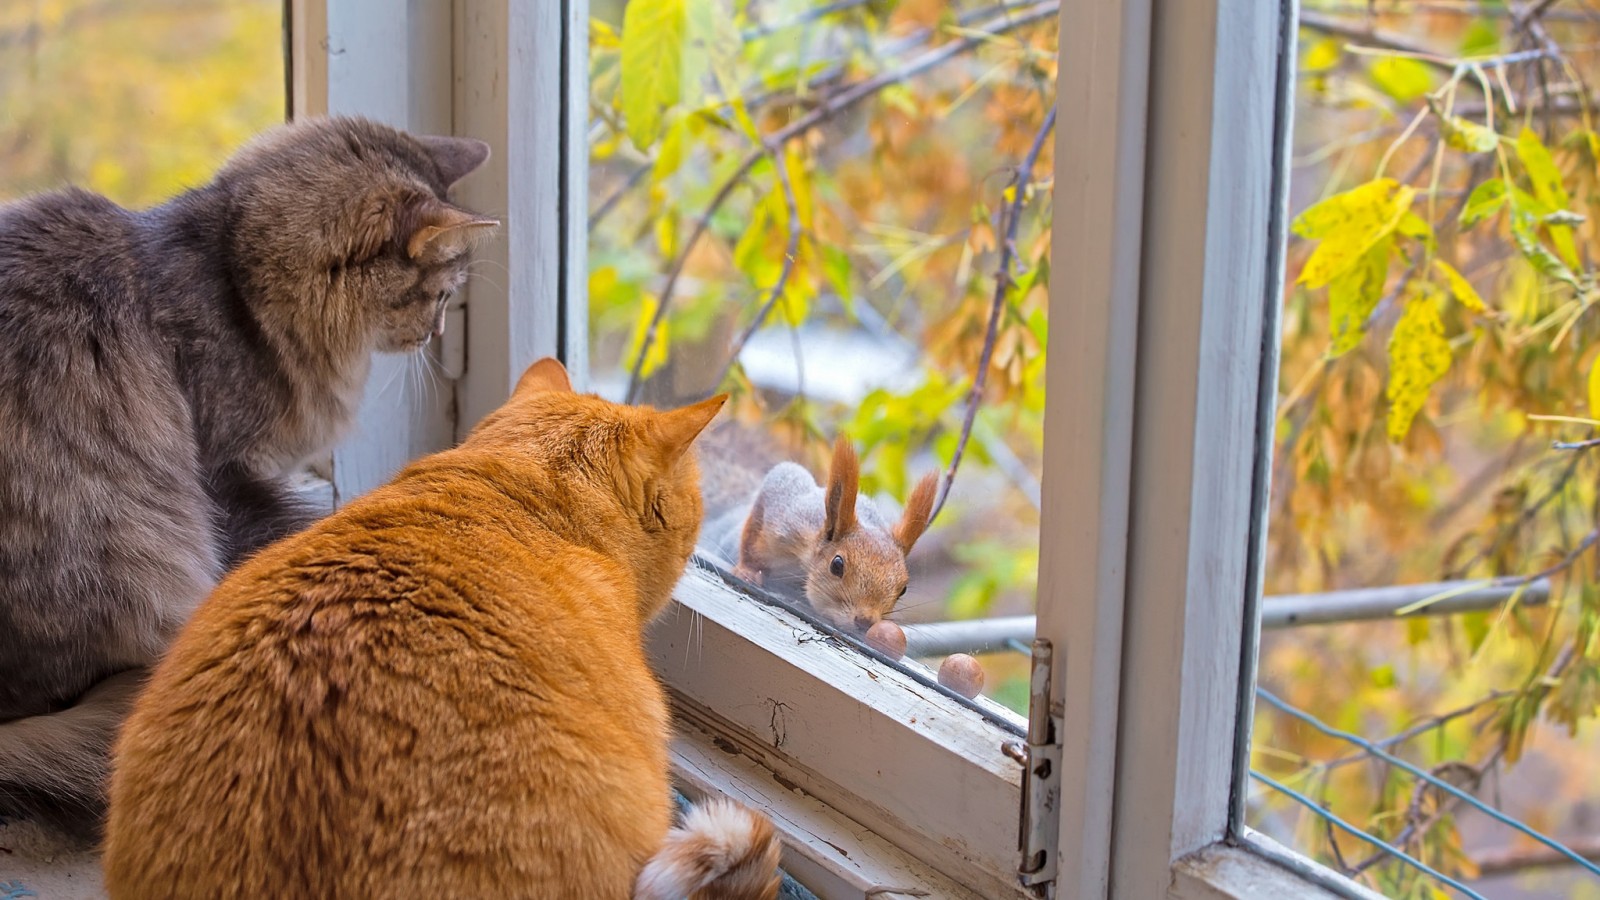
(1156, 433)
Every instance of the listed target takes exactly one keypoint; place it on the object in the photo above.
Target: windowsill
(834, 857)
(907, 767)
(1259, 867)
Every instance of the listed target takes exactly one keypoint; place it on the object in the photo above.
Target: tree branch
(833, 106)
(1003, 284)
(790, 251)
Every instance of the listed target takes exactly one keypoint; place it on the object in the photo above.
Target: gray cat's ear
(456, 157)
(445, 231)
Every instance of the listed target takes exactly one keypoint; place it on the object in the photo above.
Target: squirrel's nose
(865, 622)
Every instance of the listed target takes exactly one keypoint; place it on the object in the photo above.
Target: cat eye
(902, 593)
(838, 566)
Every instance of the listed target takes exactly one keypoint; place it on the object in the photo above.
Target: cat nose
(865, 622)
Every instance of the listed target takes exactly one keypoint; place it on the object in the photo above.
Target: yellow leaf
(674, 147)
(1401, 78)
(1594, 387)
(1419, 356)
(1321, 56)
(1460, 287)
(1363, 217)
(652, 65)
(1353, 294)
(658, 348)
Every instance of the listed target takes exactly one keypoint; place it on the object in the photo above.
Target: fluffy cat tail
(722, 851)
(53, 767)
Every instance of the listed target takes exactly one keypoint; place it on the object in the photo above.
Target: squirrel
(835, 544)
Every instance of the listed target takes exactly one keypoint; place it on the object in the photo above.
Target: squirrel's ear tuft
(679, 428)
(844, 482)
(919, 507)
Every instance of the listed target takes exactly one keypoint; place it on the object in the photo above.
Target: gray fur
(161, 372)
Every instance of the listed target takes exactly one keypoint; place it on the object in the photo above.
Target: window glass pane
(137, 100)
(806, 204)
(1438, 336)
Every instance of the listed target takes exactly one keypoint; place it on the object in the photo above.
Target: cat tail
(722, 851)
(53, 767)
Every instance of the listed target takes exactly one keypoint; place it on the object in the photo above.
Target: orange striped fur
(441, 690)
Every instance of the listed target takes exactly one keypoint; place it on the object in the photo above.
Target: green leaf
(1481, 39)
(1545, 262)
(1349, 225)
(836, 267)
(1419, 356)
(1484, 201)
(1403, 79)
(1460, 287)
(653, 34)
(1353, 294)
(1469, 136)
(1546, 181)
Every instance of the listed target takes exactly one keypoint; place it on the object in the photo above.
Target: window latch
(1039, 831)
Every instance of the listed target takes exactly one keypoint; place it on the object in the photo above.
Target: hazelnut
(962, 674)
(887, 638)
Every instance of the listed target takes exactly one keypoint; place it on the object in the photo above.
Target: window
(136, 101)
(808, 205)
(1416, 486)
(1165, 214)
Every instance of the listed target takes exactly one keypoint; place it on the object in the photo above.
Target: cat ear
(678, 429)
(456, 157)
(445, 231)
(547, 374)
(844, 482)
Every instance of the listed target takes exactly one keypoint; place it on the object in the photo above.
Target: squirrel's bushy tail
(722, 851)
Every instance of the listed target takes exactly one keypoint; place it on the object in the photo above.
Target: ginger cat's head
(628, 472)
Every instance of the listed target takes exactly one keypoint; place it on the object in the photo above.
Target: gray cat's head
(343, 229)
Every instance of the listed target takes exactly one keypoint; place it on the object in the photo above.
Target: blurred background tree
(136, 99)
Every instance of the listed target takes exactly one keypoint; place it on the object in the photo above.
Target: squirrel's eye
(838, 566)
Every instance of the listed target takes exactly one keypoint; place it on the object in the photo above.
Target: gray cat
(160, 373)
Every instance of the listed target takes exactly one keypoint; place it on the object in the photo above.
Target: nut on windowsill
(962, 674)
(887, 638)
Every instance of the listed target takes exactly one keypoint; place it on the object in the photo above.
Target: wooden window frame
(1157, 433)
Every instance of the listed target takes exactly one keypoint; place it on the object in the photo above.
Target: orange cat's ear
(679, 428)
(547, 374)
(444, 232)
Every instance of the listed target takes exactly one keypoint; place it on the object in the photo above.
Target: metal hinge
(1039, 831)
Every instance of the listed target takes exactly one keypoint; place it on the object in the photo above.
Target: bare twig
(1002, 286)
(611, 202)
(833, 106)
(1575, 445)
(1565, 563)
(1508, 860)
(810, 15)
(790, 251)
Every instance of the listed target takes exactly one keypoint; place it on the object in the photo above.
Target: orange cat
(441, 690)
